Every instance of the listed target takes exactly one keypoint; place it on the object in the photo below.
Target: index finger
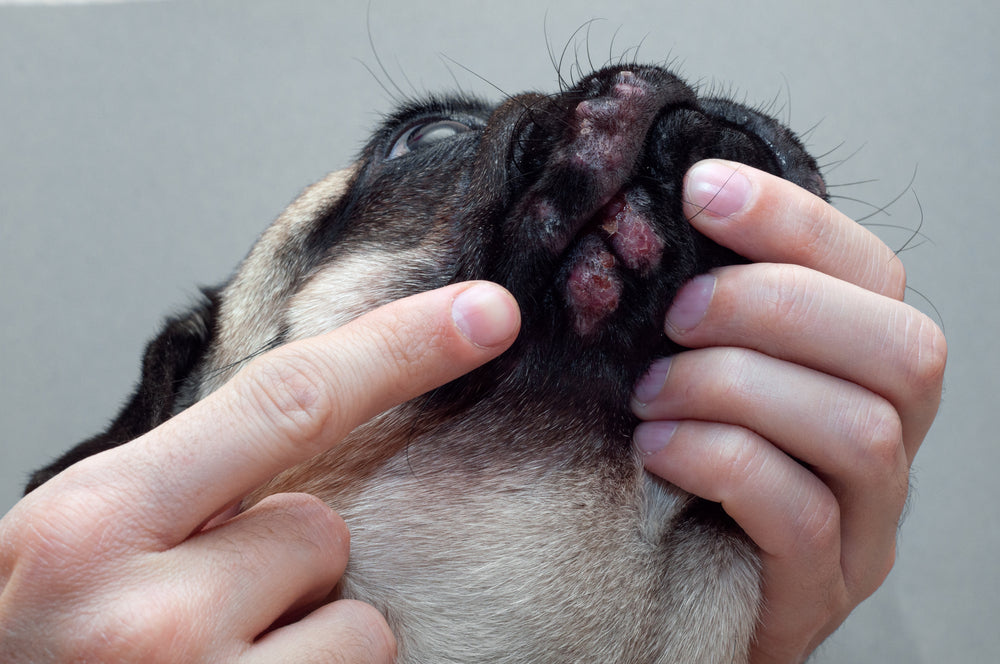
(771, 220)
(301, 399)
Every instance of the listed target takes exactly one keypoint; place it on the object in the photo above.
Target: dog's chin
(619, 240)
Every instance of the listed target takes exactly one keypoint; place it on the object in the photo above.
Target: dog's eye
(425, 135)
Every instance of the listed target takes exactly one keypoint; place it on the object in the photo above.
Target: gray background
(143, 147)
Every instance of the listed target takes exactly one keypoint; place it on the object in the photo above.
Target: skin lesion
(593, 288)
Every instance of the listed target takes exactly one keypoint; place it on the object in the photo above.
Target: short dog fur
(506, 516)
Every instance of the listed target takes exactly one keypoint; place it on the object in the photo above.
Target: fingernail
(714, 187)
(691, 303)
(651, 437)
(652, 382)
(485, 314)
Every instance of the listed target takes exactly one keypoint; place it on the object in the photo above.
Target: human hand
(809, 390)
(110, 560)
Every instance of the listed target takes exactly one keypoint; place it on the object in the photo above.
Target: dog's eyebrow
(459, 105)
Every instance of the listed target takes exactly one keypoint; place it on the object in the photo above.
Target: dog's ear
(168, 360)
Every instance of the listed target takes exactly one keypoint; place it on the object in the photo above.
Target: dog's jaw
(619, 236)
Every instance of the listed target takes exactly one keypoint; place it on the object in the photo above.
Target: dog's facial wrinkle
(253, 302)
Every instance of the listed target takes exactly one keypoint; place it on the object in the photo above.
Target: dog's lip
(623, 227)
(630, 232)
(619, 236)
(583, 213)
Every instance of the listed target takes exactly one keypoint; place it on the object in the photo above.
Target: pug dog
(506, 516)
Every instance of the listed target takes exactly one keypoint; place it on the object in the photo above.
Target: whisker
(834, 165)
(884, 209)
(569, 42)
(378, 59)
(454, 77)
(552, 56)
(226, 368)
(917, 231)
(851, 184)
(937, 313)
(504, 93)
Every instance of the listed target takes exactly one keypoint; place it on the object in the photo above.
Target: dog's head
(519, 479)
(572, 201)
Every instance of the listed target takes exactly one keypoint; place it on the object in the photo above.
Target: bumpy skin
(506, 517)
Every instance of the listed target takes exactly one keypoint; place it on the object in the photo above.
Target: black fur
(573, 202)
(478, 194)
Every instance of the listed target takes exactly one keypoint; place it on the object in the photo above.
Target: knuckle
(728, 379)
(881, 456)
(62, 526)
(814, 235)
(738, 459)
(288, 390)
(818, 524)
(307, 508)
(397, 345)
(310, 521)
(882, 439)
(363, 630)
(789, 296)
(151, 625)
(737, 377)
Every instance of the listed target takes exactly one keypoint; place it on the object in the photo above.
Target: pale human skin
(809, 355)
(815, 359)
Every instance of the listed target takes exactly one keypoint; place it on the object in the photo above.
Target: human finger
(814, 320)
(293, 547)
(768, 219)
(343, 631)
(788, 512)
(298, 400)
(847, 436)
